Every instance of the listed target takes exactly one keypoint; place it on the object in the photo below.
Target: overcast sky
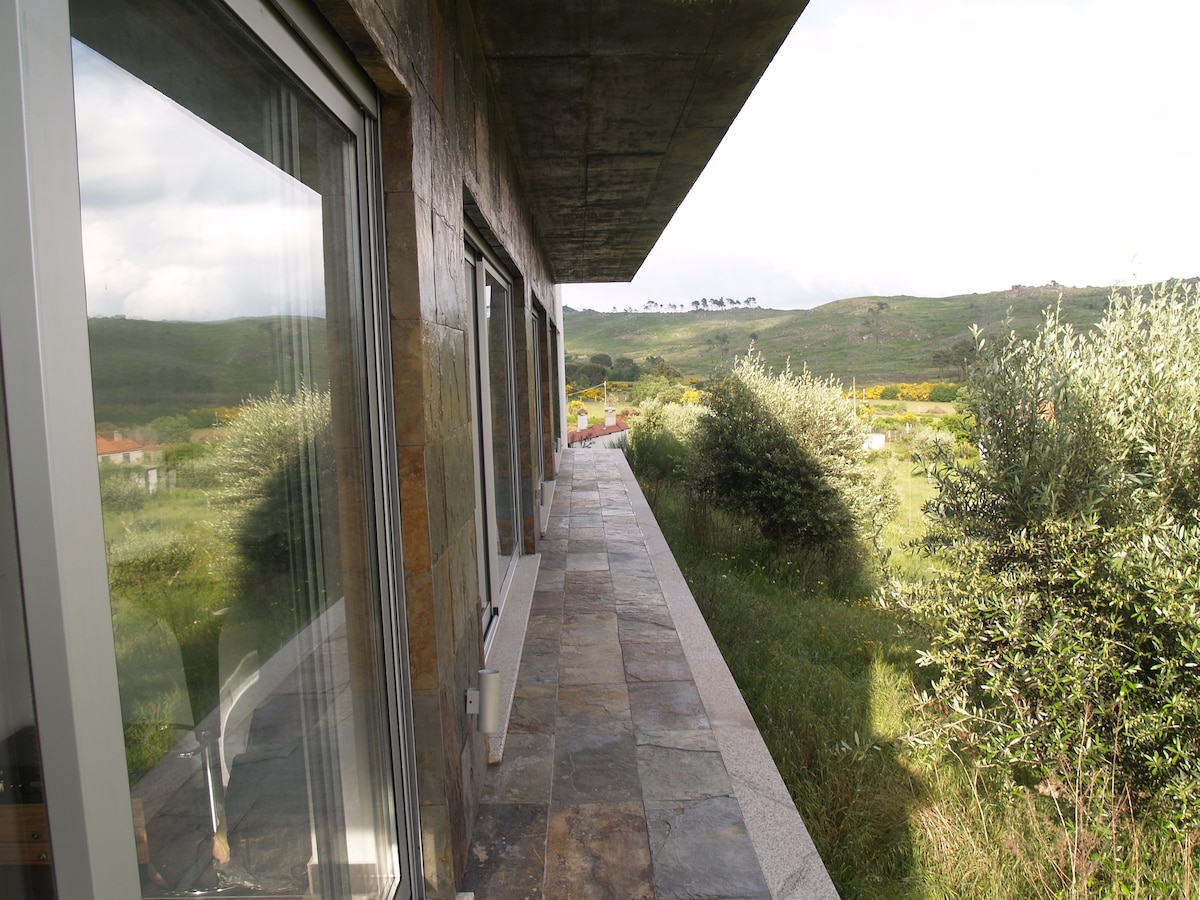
(180, 221)
(936, 147)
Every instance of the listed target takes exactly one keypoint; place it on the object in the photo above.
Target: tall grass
(831, 680)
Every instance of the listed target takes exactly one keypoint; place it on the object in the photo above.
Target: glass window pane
(501, 387)
(25, 872)
(225, 297)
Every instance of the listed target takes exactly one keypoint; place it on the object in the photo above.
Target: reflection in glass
(556, 386)
(496, 418)
(25, 872)
(500, 377)
(225, 294)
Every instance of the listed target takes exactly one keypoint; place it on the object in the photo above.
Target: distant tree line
(704, 304)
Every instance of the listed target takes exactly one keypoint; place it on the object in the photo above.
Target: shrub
(889, 392)
(787, 450)
(905, 391)
(656, 387)
(121, 491)
(625, 369)
(943, 393)
(591, 374)
(278, 477)
(657, 443)
(1065, 621)
(171, 429)
(931, 448)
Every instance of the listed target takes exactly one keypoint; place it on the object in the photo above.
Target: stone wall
(444, 149)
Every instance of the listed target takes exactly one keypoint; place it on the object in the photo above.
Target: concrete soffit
(614, 108)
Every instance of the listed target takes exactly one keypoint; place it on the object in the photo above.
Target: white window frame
(44, 347)
(494, 586)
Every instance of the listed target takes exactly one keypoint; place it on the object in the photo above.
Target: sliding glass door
(227, 216)
(496, 414)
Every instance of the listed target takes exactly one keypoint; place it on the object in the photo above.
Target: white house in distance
(120, 450)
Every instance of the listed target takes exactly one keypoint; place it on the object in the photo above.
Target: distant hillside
(142, 370)
(877, 340)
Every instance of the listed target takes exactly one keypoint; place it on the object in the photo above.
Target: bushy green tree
(786, 449)
(656, 387)
(657, 443)
(656, 365)
(121, 489)
(278, 490)
(625, 369)
(171, 429)
(930, 447)
(591, 374)
(943, 393)
(1065, 615)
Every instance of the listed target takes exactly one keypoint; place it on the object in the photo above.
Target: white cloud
(179, 220)
(942, 146)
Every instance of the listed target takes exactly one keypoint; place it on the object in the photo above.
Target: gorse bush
(1065, 613)
(786, 450)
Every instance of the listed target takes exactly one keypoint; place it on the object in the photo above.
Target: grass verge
(831, 680)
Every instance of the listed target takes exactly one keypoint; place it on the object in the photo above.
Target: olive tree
(1064, 617)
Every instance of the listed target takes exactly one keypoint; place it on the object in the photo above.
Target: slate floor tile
(547, 603)
(645, 624)
(599, 852)
(681, 765)
(582, 707)
(591, 627)
(666, 706)
(507, 854)
(701, 851)
(655, 661)
(595, 766)
(591, 663)
(590, 561)
(535, 704)
(526, 773)
(612, 786)
(550, 579)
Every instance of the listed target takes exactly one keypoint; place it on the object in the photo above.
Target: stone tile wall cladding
(443, 150)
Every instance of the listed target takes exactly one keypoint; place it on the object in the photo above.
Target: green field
(878, 340)
(145, 369)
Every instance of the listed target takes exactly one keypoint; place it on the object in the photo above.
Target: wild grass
(831, 679)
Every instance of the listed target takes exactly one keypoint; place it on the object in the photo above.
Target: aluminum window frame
(45, 352)
(495, 585)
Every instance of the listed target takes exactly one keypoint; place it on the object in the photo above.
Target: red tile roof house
(401, 186)
(121, 450)
(598, 435)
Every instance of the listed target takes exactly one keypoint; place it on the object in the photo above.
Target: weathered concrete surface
(613, 110)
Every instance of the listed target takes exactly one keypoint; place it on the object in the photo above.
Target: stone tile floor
(612, 784)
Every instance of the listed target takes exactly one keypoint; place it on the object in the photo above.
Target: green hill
(878, 340)
(145, 369)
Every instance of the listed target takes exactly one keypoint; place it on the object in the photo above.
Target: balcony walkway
(631, 767)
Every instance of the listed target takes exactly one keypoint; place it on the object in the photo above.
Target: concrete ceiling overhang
(614, 107)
